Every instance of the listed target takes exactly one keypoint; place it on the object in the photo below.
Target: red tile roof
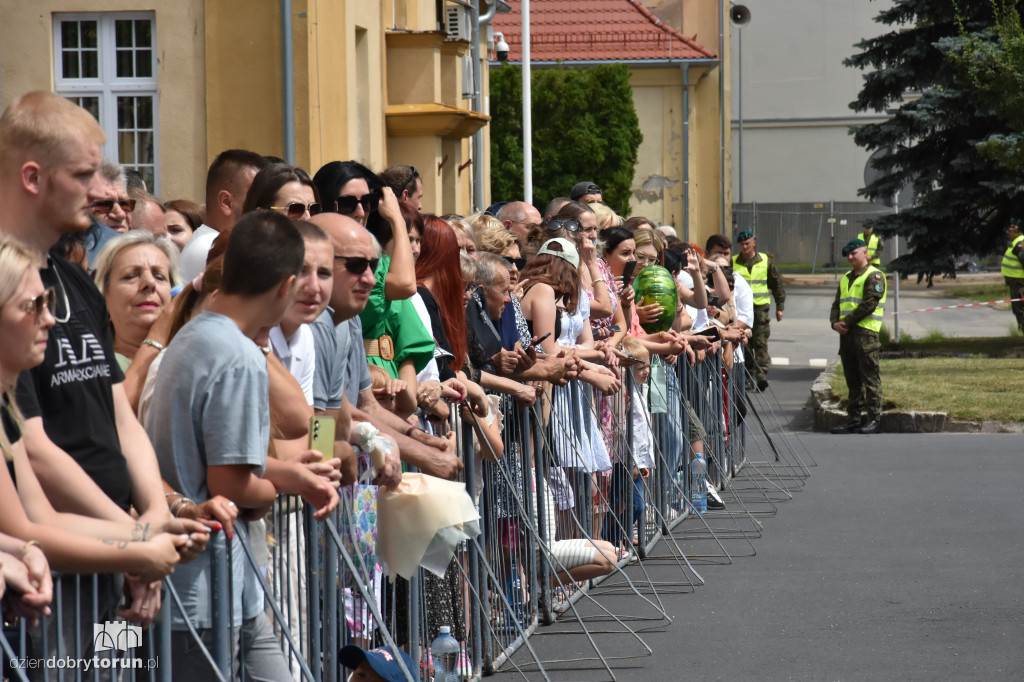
(601, 30)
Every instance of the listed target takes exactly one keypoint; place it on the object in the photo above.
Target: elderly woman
(135, 273)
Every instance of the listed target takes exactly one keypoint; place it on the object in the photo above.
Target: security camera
(500, 47)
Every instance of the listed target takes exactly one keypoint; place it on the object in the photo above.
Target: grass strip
(964, 388)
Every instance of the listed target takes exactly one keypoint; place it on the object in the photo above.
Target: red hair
(439, 259)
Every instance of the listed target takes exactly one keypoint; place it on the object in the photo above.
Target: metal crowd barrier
(545, 506)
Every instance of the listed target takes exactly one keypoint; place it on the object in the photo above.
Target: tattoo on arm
(140, 533)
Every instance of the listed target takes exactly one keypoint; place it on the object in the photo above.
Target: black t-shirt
(71, 389)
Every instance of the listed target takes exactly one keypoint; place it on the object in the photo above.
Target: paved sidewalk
(899, 559)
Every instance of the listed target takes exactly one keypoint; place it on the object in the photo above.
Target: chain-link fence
(809, 233)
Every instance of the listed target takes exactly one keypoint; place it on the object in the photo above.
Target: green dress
(400, 321)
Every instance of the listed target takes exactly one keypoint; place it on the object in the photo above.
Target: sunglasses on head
(296, 210)
(357, 265)
(46, 300)
(411, 180)
(346, 203)
(107, 205)
(519, 263)
(556, 224)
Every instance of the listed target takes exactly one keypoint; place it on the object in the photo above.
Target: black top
(72, 389)
(440, 337)
(11, 430)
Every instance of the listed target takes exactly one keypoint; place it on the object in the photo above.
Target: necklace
(64, 295)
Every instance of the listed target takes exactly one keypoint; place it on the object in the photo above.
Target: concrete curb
(827, 415)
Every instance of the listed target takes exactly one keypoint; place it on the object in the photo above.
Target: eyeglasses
(557, 224)
(297, 210)
(411, 180)
(46, 300)
(107, 205)
(517, 263)
(645, 260)
(346, 203)
(357, 265)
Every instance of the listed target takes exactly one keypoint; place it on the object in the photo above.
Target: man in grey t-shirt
(210, 420)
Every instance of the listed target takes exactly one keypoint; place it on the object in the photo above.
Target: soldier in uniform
(765, 281)
(874, 245)
(857, 316)
(1013, 269)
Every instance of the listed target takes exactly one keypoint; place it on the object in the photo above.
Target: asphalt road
(899, 557)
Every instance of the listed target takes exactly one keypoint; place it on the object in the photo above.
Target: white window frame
(107, 87)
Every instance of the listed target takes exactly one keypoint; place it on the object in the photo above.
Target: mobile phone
(615, 328)
(321, 435)
(541, 339)
(714, 301)
(683, 260)
(627, 271)
(710, 332)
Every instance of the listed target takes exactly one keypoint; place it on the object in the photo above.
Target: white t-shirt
(298, 355)
(743, 301)
(192, 261)
(430, 372)
(699, 317)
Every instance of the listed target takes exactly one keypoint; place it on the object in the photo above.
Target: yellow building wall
(659, 191)
(26, 63)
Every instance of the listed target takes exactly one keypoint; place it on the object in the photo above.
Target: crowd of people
(162, 361)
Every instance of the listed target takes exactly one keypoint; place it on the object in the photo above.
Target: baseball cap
(582, 189)
(567, 252)
(493, 209)
(382, 661)
(744, 236)
(851, 245)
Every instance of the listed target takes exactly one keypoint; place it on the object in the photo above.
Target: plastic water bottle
(445, 652)
(698, 489)
(514, 592)
(679, 491)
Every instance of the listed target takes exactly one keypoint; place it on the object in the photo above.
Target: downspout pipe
(685, 68)
(479, 21)
(288, 82)
(721, 113)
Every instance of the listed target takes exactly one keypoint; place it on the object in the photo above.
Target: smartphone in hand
(321, 435)
(627, 272)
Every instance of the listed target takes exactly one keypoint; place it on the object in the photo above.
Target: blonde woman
(606, 217)
(71, 543)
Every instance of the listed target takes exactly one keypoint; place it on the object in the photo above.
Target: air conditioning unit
(458, 20)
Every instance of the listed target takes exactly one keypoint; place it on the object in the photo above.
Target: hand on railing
(446, 463)
(299, 478)
(526, 395)
(328, 469)
(603, 379)
(453, 390)
(389, 473)
(217, 513)
(29, 586)
(144, 599)
(158, 556)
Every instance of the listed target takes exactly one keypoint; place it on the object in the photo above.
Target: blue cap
(493, 209)
(382, 661)
(744, 236)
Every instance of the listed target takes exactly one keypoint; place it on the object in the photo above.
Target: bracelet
(28, 545)
(156, 344)
(595, 281)
(408, 431)
(166, 495)
(178, 503)
(266, 349)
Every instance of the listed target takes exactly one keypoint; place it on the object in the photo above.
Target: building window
(106, 63)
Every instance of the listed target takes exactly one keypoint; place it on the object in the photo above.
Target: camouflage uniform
(858, 350)
(762, 316)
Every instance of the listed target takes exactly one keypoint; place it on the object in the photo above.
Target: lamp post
(527, 106)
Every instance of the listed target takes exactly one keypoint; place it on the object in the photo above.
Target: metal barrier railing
(563, 511)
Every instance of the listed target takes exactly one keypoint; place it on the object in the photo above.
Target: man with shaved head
(518, 216)
(341, 384)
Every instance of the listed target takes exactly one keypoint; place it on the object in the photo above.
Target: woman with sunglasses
(594, 282)
(283, 188)
(29, 525)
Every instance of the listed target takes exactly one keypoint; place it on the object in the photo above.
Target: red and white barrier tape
(950, 307)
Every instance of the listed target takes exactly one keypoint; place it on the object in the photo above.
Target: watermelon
(654, 284)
